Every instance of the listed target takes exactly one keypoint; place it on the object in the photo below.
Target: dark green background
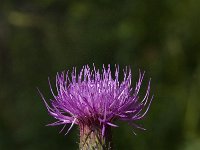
(38, 38)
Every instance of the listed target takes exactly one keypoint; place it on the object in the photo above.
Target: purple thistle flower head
(94, 97)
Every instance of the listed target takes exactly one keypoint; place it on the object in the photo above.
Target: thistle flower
(93, 100)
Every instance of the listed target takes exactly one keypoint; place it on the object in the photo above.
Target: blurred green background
(38, 38)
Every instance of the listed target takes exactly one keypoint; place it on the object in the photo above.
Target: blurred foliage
(40, 37)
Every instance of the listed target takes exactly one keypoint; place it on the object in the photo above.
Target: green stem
(91, 138)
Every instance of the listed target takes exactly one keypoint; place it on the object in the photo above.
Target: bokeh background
(39, 38)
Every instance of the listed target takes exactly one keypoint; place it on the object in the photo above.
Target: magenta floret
(95, 97)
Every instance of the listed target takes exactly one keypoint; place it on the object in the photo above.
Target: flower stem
(91, 138)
